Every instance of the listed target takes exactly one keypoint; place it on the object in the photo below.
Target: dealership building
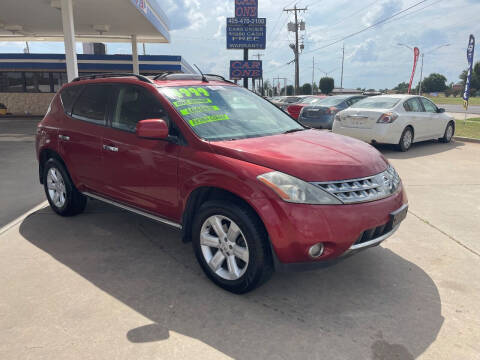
(29, 81)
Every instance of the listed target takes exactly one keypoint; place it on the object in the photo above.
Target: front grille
(374, 233)
(365, 189)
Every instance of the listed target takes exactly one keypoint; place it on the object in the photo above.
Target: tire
(449, 131)
(61, 194)
(406, 139)
(242, 261)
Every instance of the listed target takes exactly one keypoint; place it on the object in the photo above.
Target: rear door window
(413, 105)
(68, 96)
(92, 103)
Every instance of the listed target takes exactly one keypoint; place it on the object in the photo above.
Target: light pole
(422, 54)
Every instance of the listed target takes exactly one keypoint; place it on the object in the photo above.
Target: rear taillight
(387, 118)
(332, 110)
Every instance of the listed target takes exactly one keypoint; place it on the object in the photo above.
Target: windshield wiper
(293, 130)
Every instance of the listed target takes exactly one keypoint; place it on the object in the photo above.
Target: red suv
(251, 188)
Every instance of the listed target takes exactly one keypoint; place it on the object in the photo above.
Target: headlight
(294, 190)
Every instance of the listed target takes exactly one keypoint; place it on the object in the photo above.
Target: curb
(466, 139)
(21, 116)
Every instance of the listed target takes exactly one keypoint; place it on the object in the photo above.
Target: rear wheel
(406, 139)
(231, 246)
(449, 131)
(62, 195)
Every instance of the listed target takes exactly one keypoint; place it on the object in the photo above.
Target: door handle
(64, 137)
(110, 148)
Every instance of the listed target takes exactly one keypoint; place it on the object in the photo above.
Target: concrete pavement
(19, 190)
(472, 109)
(108, 284)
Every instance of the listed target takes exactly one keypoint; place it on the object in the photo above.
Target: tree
(307, 89)
(326, 85)
(401, 88)
(434, 83)
(315, 88)
(289, 90)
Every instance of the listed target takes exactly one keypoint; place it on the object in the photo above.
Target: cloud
(184, 14)
(381, 10)
(365, 52)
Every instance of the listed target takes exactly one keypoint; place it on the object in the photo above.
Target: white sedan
(395, 119)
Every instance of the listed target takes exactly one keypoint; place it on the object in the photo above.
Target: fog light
(316, 250)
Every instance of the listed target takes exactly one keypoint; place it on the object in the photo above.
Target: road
(108, 284)
(20, 189)
(473, 109)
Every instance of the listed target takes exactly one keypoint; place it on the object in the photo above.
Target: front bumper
(294, 228)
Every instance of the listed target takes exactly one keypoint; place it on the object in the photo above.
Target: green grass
(470, 129)
(442, 100)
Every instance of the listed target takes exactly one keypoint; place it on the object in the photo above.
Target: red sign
(246, 8)
(416, 53)
(245, 69)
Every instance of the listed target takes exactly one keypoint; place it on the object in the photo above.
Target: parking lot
(109, 284)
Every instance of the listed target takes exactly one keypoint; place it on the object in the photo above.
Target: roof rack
(181, 76)
(111, 75)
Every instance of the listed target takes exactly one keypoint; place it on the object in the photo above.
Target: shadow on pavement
(374, 305)
(420, 149)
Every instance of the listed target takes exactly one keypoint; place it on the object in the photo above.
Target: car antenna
(204, 78)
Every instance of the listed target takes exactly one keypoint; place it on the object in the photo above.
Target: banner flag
(470, 51)
(416, 53)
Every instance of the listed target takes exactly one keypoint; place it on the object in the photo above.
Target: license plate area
(398, 216)
(357, 121)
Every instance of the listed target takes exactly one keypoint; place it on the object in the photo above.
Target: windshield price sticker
(198, 109)
(187, 92)
(207, 119)
(186, 102)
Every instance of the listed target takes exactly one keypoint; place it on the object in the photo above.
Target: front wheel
(449, 131)
(231, 246)
(62, 195)
(406, 139)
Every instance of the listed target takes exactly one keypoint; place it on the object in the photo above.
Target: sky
(373, 58)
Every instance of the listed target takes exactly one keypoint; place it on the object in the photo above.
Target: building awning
(95, 21)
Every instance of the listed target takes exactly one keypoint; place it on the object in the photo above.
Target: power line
(367, 28)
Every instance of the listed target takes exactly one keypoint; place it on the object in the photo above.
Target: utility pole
(343, 59)
(313, 73)
(258, 56)
(421, 77)
(278, 82)
(295, 47)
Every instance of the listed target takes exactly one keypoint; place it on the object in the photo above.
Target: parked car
(294, 108)
(3, 109)
(320, 114)
(395, 119)
(251, 188)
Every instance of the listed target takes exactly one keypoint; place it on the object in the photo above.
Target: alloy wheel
(56, 187)
(224, 247)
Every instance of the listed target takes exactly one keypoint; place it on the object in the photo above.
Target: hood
(311, 155)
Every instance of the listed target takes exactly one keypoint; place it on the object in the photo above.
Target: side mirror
(440, 110)
(152, 129)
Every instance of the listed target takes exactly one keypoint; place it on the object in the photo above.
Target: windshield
(310, 100)
(377, 102)
(228, 112)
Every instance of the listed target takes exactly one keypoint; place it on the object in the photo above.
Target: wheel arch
(205, 193)
(44, 156)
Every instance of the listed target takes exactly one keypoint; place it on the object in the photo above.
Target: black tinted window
(68, 96)
(91, 105)
(134, 104)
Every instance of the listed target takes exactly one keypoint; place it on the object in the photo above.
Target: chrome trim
(131, 209)
(373, 242)
(360, 190)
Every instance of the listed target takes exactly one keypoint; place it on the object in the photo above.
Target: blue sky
(372, 59)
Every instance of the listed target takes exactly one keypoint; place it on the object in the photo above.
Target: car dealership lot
(110, 284)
